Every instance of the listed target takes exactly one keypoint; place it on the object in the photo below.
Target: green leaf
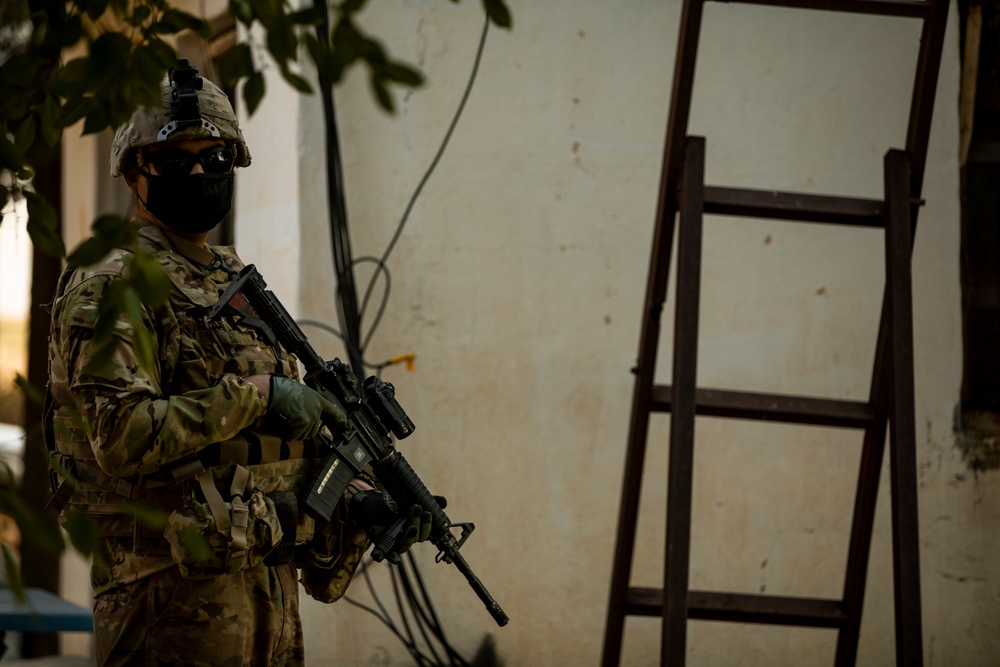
(281, 41)
(236, 63)
(266, 11)
(194, 543)
(45, 239)
(164, 55)
(296, 81)
(49, 127)
(308, 16)
(131, 304)
(149, 62)
(43, 224)
(76, 107)
(119, 304)
(150, 281)
(35, 528)
(498, 12)
(401, 73)
(19, 71)
(327, 69)
(82, 532)
(141, 13)
(24, 136)
(198, 25)
(174, 20)
(352, 6)
(382, 94)
(111, 226)
(144, 348)
(108, 312)
(73, 78)
(242, 10)
(95, 8)
(142, 341)
(347, 42)
(316, 51)
(12, 572)
(107, 233)
(253, 92)
(97, 120)
(62, 34)
(109, 57)
(10, 157)
(149, 515)
(30, 391)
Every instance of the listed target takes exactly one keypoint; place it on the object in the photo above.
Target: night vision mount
(185, 109)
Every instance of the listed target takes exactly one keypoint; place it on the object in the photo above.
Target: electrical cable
(381, 266)
(427, 618)
(433, 621)
(347, 301)
(419, 616)
(420, 606)
(394, 578)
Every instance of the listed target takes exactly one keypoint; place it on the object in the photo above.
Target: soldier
(218, 435)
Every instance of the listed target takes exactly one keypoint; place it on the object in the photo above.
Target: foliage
(96, 61)
(125, 55)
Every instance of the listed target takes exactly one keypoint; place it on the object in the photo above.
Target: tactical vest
(277, 467)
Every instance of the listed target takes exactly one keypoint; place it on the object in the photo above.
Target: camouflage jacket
(142, 425)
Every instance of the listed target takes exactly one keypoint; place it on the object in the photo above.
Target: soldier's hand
(297, 412)
(393, 531)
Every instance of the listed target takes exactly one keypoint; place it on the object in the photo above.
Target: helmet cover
(146, 125)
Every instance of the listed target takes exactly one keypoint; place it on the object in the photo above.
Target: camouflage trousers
(242, 619)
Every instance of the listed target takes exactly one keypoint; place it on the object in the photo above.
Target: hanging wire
(413, 602)
(418, 606)
(381, 267)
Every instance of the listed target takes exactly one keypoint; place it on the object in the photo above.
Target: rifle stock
(374, 417)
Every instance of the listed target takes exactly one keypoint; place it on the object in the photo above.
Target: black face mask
(193, 203)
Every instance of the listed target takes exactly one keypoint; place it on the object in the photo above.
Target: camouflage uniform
(147, 430)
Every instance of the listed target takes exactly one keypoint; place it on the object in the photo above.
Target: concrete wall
(518, 283)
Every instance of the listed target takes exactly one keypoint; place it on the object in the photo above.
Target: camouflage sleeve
(132, 426)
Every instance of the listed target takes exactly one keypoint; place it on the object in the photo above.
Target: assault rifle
(374, 417)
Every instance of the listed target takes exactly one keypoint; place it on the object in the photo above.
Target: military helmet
(193, 108)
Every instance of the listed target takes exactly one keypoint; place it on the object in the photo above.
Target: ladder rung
(912, 8)
(744, 608)
(794, 206)
(771, 407)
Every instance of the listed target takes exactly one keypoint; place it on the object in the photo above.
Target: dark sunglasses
(175, 162)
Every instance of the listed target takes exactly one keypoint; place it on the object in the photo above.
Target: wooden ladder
(890, 402)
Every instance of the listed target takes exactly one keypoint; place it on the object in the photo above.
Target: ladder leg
(885, 383)
(682, 415)
(864, 521)
(628, 512)
(906, 542)
(656, 289)
(866, 497)
(918, 130)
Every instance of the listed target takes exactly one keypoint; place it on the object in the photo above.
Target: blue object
(42, 611)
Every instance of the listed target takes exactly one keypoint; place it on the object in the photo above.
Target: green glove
(297, 412)
(377, 513)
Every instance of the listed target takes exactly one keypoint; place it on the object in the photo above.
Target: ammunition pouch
(286, 506)
(327, 563)
(215, 533)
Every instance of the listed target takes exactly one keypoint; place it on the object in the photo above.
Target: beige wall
(518, 284)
